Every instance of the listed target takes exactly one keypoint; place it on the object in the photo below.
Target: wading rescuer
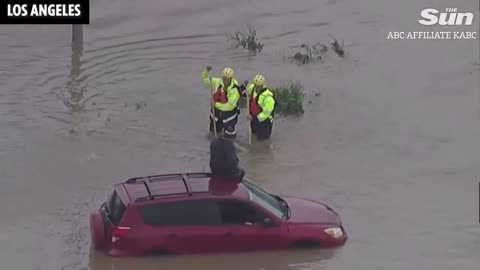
(224, 163)
(262, 105)
(226, 93)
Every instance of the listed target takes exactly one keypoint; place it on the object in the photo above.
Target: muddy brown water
(392, 142)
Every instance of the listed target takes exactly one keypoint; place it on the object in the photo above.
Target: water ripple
(117, 45)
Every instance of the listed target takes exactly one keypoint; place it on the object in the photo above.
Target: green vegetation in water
(247, 40)
(315, 52)
(289, 99)
(309, 54)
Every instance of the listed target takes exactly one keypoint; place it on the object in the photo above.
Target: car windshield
(266, 200)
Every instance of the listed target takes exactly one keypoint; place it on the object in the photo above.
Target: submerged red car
(193, 213)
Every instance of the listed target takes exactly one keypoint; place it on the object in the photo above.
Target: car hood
(306, 211)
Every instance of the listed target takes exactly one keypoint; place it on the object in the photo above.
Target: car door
(245, 230)
(184, 227)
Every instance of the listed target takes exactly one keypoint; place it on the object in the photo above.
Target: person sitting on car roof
(218, 185)
(224, 162)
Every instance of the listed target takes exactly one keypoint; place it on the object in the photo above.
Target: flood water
(391, 143)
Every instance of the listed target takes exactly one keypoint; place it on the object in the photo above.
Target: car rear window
(115, 208)
(182, 213)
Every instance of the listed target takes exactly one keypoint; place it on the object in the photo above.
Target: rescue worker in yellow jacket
(226, 96)
(262, 106)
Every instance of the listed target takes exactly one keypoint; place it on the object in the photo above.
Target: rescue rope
(248, 122)
(212, 104)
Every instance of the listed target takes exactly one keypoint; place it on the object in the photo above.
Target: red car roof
(180, 184)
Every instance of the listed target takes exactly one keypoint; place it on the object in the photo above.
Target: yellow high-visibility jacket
(233, 93)
(266, 102)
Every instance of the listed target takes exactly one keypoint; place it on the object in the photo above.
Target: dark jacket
(224, 162)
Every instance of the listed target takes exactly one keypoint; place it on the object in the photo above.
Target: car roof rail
(152, 197)
(167, 177)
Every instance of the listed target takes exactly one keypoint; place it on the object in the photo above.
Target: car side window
(182, 213)
(234, 212)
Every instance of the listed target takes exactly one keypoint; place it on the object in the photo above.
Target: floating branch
(246, 40)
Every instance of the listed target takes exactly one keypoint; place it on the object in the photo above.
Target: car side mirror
(267, 222)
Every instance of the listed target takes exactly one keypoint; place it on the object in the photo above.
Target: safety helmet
(227, 73)
(259, 80)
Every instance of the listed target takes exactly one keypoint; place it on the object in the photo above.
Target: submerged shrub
(289, 99)
(246, 40)
(309, 54)
(337, 48)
